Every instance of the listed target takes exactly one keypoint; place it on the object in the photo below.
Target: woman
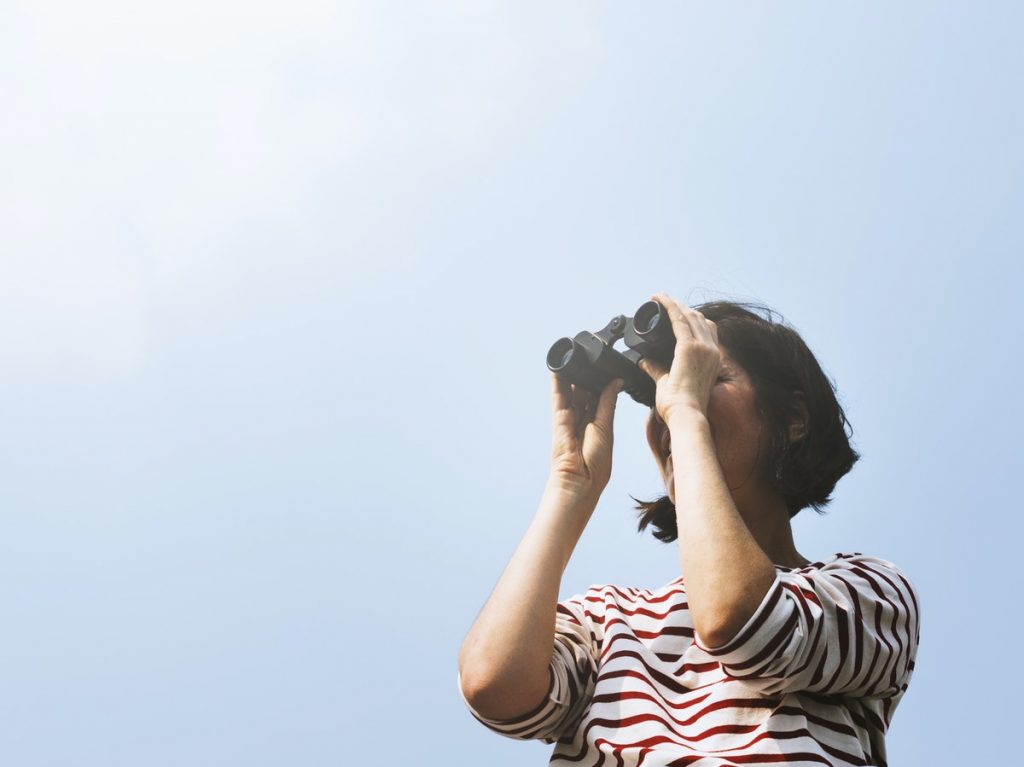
(755, 655)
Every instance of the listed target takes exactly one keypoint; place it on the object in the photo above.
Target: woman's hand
(686, 387)
(581, 448)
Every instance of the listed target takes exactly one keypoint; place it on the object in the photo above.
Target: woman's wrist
(689, 418)
(572, 494)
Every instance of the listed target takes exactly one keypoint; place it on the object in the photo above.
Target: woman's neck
(769, 523)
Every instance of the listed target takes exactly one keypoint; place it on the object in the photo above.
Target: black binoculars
(591, 361)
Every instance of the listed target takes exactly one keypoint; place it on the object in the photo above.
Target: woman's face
(736, 428)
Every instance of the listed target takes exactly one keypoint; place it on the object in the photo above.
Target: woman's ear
(799, 419)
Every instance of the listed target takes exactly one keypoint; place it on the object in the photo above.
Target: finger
(701, 326)
(677, 316)
(563, 417)
(561, 393)
(606, 404)
(654, 369)
(582, 399)
(714, 330)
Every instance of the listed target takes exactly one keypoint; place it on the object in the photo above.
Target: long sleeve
(572, 676)
(850, 628)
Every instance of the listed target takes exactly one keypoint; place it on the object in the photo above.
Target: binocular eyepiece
(591, 361)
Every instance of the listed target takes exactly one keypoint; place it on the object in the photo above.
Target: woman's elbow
(494, 697)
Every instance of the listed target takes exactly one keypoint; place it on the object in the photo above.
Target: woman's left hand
(686, 387)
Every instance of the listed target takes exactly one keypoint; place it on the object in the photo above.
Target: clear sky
(276, 286)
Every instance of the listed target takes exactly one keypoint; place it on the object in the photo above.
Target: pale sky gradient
(276, 286)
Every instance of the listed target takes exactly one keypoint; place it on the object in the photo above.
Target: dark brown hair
(787, 379)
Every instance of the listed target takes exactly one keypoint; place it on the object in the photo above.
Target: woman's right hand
(581, 449)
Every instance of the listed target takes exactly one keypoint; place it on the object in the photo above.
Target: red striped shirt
(813, 678)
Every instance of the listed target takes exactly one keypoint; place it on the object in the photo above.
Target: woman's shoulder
(847, 561)
(873, 576)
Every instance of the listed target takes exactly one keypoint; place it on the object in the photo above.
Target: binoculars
(591, 361)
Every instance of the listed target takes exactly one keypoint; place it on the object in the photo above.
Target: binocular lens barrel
(560, 356)
(648, 318)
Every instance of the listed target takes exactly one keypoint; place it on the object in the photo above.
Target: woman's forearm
(503, 663)
(725, 571)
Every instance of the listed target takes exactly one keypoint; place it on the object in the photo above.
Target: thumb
(652, 368)
(606, 404)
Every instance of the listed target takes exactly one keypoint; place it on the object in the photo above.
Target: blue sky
(278, 282)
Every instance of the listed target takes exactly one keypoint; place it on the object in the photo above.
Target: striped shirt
(812, 678)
